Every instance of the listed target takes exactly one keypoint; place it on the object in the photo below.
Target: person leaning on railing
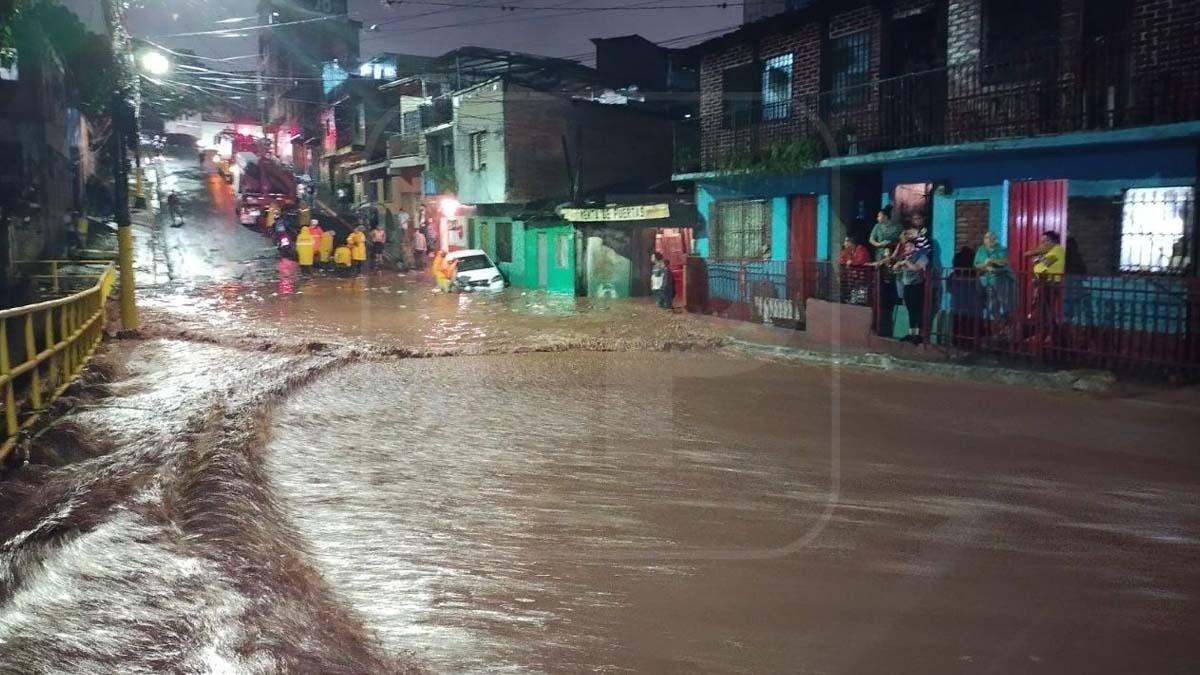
(995, 276)
(1049, 265)
(885, 237)
(911, 266)
(852, 260)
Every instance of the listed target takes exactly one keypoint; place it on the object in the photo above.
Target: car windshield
(473, 262)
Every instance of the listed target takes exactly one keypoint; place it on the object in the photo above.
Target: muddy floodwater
(688, 513)
(266, 479)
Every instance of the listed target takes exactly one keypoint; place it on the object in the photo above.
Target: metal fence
(43, 347)
(774, 291)
(1146, 325)
(1136, 324)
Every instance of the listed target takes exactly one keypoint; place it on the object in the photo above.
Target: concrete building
(306, 35)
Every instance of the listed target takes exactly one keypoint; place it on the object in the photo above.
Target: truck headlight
(496, 279)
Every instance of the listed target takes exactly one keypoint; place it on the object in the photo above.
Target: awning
(397, 165)
(367, 168)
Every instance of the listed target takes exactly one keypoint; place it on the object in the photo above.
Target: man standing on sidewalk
(420, 247)
(174, 210)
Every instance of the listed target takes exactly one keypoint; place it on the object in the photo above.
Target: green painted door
(543, 266)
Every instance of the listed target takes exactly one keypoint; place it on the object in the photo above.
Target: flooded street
(275, 475)
(697, 513)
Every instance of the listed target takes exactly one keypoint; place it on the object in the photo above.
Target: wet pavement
(271, 483)
(210, 245)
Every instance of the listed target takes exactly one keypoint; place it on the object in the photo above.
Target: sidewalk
(894, 356)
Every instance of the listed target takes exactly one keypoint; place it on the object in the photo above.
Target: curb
(1089, 381)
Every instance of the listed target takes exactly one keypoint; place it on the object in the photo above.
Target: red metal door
(802, 229)
(1034, 207)
(802, 247)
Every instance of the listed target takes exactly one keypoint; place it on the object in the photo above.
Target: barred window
(1156, 232)
(850, 65)
(410, 122)
(479, 151)
(1016, 42)
(777, 87)
(741, 91)
(742, 229)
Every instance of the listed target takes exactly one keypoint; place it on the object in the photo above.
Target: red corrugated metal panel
(1034, 207)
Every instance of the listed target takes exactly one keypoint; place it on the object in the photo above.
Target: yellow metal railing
(53, 340)
(55, 278)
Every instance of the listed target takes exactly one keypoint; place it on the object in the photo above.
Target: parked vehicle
(476, 271)
(262, 182)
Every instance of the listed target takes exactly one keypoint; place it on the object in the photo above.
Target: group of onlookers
(903, 252)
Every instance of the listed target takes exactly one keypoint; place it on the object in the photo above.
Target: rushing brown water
(289, 498)
(586, 512)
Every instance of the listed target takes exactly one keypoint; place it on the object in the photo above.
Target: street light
(155, 63)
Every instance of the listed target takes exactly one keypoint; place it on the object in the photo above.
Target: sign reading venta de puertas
(618, 213)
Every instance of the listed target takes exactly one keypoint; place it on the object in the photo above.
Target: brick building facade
(1008, 116)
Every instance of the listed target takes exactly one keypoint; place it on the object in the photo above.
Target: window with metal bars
(741, 91)
(1019, 37)
(479, 151)
(777, 87)
(850, 69)
(1156, 229)
(742, 229)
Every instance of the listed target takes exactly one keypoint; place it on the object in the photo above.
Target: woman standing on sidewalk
(378, 243)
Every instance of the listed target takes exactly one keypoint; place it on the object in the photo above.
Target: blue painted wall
(1090, 173)
(775, 188)
(1152, 163)
(1097, 171)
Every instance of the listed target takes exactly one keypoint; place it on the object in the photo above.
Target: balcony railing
(440, 111)
(1104, 84)
(403, 145)
(687, 146)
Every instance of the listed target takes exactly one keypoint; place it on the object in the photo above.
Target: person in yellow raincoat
(325, 250)
(357, 241)
(342, 260)
(439, 271)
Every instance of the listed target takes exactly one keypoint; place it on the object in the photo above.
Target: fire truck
(260, 182)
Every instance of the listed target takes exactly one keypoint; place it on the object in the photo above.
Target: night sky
(564, 31)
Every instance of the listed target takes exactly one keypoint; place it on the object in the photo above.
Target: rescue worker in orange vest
(304, 249)
(357, 241)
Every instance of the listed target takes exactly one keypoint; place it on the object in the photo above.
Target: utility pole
(124, 121)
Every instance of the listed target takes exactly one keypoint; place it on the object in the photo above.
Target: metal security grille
(478, 151)
(777, 87)
(1156, 229)
(743, 229)
(851, 67)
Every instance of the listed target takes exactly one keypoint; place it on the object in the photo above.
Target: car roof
(455, 255)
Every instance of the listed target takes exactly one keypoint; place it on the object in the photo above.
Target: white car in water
(476, 271)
